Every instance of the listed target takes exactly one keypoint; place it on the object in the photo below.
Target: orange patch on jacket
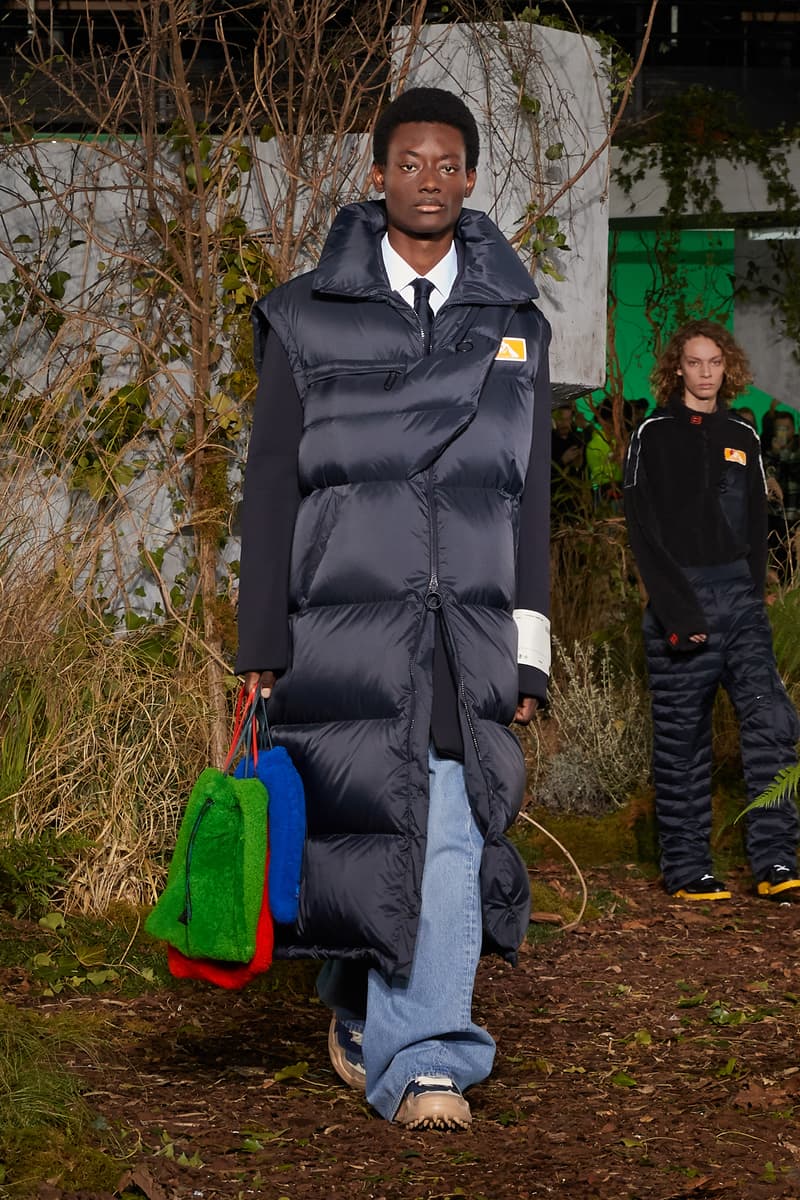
(737, 456)
(512, 350)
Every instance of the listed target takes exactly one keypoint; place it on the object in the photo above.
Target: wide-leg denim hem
(424, 1026)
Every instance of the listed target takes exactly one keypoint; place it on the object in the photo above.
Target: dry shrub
(593, 751)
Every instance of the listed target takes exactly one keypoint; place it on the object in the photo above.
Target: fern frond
(783, 786)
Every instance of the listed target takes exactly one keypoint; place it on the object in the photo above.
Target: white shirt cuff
(533, 649)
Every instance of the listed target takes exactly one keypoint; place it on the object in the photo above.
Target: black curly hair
(426, 104)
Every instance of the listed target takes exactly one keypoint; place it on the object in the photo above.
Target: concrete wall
(742, 189)
(772, 356)
(82, 190)
(563, 71)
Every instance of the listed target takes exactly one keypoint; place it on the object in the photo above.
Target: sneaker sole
(441, 1112)
(344, 1069)
(681, 894)
(770, 890)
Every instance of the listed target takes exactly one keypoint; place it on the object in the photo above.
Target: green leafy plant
(545, 235)
(783, 787)
(34, 870)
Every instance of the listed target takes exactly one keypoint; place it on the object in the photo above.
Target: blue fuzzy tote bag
(286, 814)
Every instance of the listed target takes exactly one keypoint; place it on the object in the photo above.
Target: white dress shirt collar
(402, 276)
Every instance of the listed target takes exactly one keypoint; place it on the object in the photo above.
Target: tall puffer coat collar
(493, 273)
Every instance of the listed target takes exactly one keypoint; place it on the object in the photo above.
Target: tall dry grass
(593, 584)
(102, 732)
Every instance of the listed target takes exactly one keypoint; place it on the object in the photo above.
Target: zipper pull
(433, 597)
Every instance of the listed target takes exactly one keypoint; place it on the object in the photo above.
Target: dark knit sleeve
(533, 553)
(270, 498)
(672, 597)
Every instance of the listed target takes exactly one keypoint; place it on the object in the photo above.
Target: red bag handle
(243, 725)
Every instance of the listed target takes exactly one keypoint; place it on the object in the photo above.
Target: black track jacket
(695, 496)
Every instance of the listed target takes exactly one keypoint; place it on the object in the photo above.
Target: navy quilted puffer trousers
(739, 656)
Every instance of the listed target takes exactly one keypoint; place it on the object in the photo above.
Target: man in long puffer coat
(695, 503)
(393, 596)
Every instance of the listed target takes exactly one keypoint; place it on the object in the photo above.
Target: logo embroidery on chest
(737, 456)
(512, 350)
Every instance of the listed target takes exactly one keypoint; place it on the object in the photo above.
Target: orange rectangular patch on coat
(512, 350)
(737, 456)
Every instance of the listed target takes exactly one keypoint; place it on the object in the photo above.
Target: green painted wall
(705, 268)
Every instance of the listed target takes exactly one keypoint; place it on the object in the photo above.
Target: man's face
(425, 179)
(702, 369)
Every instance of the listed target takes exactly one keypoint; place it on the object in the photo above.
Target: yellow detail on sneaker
(765, 888)
(682, 894)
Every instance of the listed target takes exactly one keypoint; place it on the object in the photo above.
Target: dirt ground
(653, 1053)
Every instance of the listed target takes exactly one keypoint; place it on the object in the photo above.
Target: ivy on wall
(685, 142)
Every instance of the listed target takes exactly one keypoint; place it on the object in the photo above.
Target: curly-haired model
(666, 379)
(696, 509)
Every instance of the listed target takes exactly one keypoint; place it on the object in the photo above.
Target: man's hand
(252, 679)
(525, 709)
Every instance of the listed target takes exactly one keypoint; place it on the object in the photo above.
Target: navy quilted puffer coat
(411, 469)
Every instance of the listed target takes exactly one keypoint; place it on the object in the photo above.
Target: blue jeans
(424, 1026)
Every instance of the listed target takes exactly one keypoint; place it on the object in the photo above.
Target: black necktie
(422, 307)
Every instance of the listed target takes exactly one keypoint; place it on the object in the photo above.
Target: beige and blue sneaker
(433, 1102)
(347, 1057)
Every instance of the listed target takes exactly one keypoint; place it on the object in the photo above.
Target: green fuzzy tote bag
(212, 900)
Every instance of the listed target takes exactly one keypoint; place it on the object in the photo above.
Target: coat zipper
(433, 597)
(434, 603)
(404, 309)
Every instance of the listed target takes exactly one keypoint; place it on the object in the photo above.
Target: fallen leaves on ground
(646, 1057)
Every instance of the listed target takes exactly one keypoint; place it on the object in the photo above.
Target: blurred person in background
(746, 414)
(781, 453)
(567, 459)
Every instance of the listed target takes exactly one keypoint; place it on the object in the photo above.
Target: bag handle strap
(242, 724)
(262, 734)
(250, 727)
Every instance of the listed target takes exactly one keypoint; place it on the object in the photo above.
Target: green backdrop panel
(701, 274)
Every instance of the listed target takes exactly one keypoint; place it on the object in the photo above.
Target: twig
(525, 228)
(585, 897)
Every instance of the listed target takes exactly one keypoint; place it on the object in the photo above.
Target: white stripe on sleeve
(534, 639)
